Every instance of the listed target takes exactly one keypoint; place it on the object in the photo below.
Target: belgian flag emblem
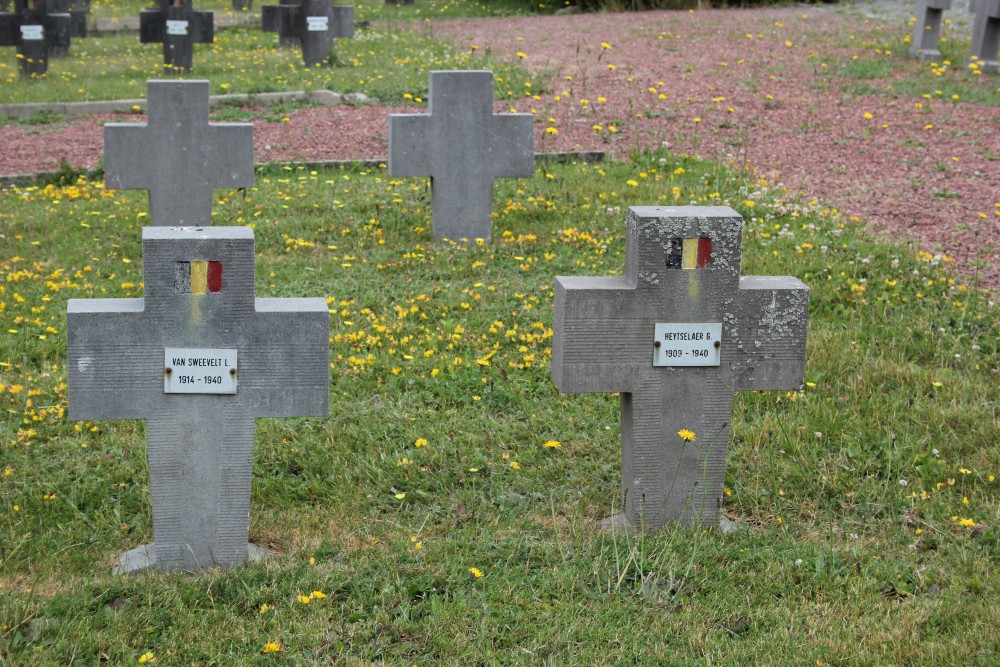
(693, 253)
(198, 277)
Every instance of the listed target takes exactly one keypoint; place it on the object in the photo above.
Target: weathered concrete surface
(604, 342)
(200, 444)
(178, 156)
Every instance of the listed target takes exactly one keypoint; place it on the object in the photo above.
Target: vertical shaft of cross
(985, 36)
(206, 445)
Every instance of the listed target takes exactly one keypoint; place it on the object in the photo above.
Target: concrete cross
(927, 32)
(178, 26)
(314, 23)
(199, 358)
(985, 36)
(676, 336)
(38, 31)
(273, 19)
(462, 145)
(178, 156)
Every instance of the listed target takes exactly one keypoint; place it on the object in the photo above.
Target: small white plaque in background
(317, 23)
(188, 370)
(177, 27)
(687, 344)
(32, 33)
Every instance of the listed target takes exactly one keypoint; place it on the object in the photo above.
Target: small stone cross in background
(927, 32)
(462, 145)
(178, 155)
(178, 26)
(38, 31)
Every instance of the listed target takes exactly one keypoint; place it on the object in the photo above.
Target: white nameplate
(188, 370)
(32, 33)
(687, 344)
(177, 27)
(317, 23)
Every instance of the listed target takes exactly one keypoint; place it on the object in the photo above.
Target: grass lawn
(867, 502)
(446, 513)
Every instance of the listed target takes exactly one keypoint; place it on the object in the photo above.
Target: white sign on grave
(687, 344)
(199, 371)
(32, 33)
(317, 23)
(177, 27)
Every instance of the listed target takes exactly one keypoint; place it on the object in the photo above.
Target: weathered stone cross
(985, 35)
(314, 23)
(462, 145)
(199, 358)
(178, 155)
(178, 26)
(677, 335)
(927, 32)
(37, 31)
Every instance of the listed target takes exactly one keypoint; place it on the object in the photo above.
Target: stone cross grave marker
(178, 26)
(677, 335)
(462, 145)
(178, 156)
(313, 23)
(927, 32)
(985, 36)
(199, 358)
(271, 21)
(37, 31)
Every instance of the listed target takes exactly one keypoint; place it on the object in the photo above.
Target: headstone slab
(462, 145)
(985, 36)
(178, 156)
(927, 31)
(681, 284)
(123, 352)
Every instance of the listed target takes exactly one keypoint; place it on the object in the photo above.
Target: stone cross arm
(412, 138)
(116, 353)
(605, 342)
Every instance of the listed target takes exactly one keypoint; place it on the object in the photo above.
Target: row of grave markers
(41, 29)
(199, 357)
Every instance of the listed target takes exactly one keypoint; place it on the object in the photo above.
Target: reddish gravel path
(744, 85)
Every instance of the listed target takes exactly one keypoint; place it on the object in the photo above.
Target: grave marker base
(140, 559)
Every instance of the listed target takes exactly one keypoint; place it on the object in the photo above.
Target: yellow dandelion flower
(476, 572)
(420, 443)
(686, 435)
(552, 444)
(272, 647)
